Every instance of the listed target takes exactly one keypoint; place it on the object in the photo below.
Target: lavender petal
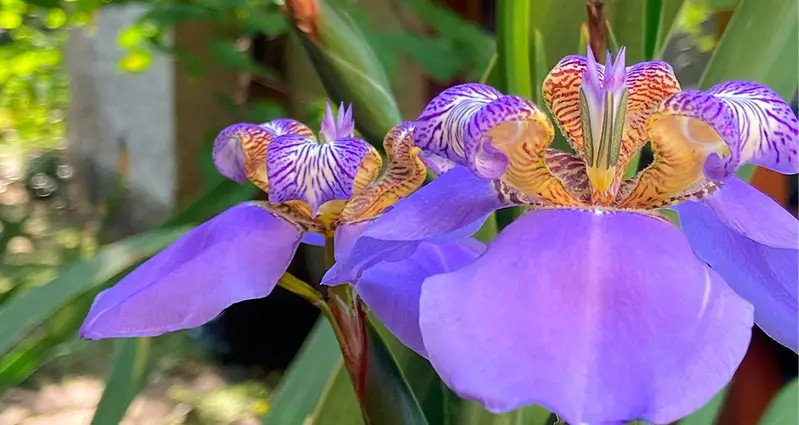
(238, 255)
(603, 317)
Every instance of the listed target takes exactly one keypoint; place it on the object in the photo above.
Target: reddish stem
(596, 27)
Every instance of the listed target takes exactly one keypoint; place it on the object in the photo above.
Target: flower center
(603, 110)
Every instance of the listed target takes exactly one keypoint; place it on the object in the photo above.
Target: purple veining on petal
(301, 169)
(241, 145)
(283, 126)
(238, 255)
(482, 153)
(757, 125)
(559, 312)
(440, 127)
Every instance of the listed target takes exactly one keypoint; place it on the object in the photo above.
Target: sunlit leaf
(136, 60)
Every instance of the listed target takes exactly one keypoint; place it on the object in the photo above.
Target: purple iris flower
(593, 304)
(316, 190)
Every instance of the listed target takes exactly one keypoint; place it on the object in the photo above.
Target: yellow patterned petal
(681, 145)
(405, 173)
(648, 83)
(524, 143)
(240, 149)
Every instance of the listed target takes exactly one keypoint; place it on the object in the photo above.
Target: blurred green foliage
(36, 319)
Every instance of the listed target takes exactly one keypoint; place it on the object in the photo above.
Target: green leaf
(128, 375)
(351, 72)
(513, 28)
(668, 19)
(36, 305)
(784, 409)
(540, 66)
(760, 38)
(708, 414)
(472, 413)
(651, 19)
(624, 16)
(390, 401)
(559, 24)
(310, 374)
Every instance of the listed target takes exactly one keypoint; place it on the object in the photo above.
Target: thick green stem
(346, 314)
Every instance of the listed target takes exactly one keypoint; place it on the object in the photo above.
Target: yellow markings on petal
(649, 83)
(681, 145)
(254, 140)
(525, 143)
(370, 166)
(298, 213)
(405, 173)
(561, 90)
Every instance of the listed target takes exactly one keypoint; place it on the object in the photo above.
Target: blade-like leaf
(625, 18)
(350, 71)
(559, 24)
(390, 405)
(513, 28)
(128, 375)
(668, 16)
(308, 377)
(708, 414)
(472, 413)
(651, 19)
(36, 305)
(759, 44)
(784, 409)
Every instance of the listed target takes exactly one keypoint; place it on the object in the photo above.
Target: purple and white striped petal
(603, 317)
(441, 127)
(239, 151)
(753, 243)
(699, 135)
(496, 136)
(299, 168)
(238, 255)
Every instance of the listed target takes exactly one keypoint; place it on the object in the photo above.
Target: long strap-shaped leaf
(307, 379)
(34, 306)
(128, 375)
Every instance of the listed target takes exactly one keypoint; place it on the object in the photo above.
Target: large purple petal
(601, 316)
(298, 168)
(392, 288)
(753, 244)
(238, 255)
(450, 208)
